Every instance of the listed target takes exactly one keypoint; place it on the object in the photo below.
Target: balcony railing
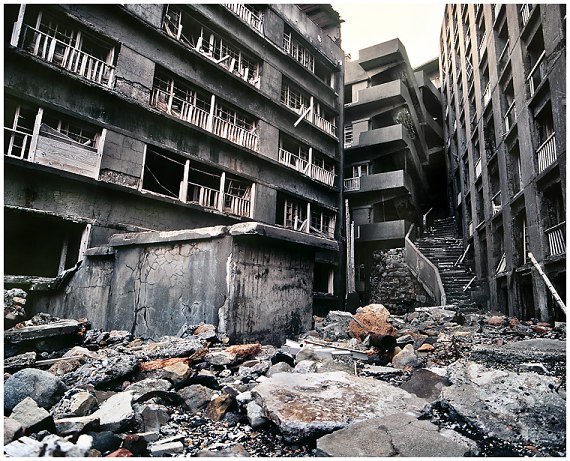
(293, 161)
(478, 168)
(247, 15)
(557, 239)
(18, 143)
(537, 73)
(352, 184)
(510, 117)
(496, 202)
(65, 55)
(324, 124)
(502, 60)
(322, 175)
(487, 94)
(546, 153)
(190, 113)
(526, 9)
(237, 205)
(204, 196)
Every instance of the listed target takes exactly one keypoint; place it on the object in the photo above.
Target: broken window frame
(251, 14)
(64, 44)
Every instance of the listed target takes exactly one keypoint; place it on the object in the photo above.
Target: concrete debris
(41, 331)
(497, 383)
(14, 307)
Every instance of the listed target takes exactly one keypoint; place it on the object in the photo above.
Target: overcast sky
(417, 25)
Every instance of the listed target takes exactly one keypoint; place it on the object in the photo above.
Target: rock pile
(361, 385)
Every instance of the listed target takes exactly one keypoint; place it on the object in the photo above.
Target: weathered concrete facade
(189, 116)
(503, 73)
(234, 277)
(393, 151)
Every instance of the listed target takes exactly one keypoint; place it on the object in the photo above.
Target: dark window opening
(27, 253)
(163, 172)
(323, 279)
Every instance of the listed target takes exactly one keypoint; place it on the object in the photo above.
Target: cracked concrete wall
(271, 290)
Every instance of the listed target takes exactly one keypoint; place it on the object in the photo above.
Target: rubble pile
(357, 385)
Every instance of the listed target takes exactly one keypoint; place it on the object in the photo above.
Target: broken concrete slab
(426, 384)
(116, 412)
(196, 397)
(168, 448)
(12, 430)
(144, 386)
(550, 352)
(57, 327)
(74, 425)
(398, 434)
(517, 407)
(75, 402)
(171, 346)
(32, 417)
(108, 366)
(40, 385)
(308, 405)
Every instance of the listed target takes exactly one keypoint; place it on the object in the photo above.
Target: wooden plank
(69, 157)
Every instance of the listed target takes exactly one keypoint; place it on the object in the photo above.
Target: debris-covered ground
(357, 385)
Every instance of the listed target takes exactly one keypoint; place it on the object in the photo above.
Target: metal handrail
(424, 270)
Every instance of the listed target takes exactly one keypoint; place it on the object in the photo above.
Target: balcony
(392, 181)
(303, 165)
(510, 117)
(234, 204)
(322, 175)
(556, 239)
(478, 169)
(496, 203)
(247, 14)
(352, 184)
(204, 196)
(234, 133)
(537, 74)
(546, 153)
(69, 56)
(324, 124)
(526, 10)
(487, 94)
(389, 232)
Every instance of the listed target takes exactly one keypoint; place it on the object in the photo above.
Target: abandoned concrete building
(216, 125)
(503, 83)
(394, 167)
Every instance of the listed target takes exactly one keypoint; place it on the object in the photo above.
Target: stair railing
(462, 257)
(424, 270)
(547, 282)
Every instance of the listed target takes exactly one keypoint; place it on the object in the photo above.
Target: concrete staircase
(442, 247)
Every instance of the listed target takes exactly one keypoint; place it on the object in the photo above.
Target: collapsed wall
(245, 279)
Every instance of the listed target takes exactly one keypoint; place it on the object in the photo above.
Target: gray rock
(517, 407)
(76, 402)
(255, 415)
(426, 384)
(168, 448)
(220, 358)
(12, 430)
(315, 354)
(31, 416)
(116, 412)
(154, 416)
(280, 367)
(405, 339)
(171, 346)
(375, 370)
(50, 446)
(108, 366)
(406, 358)
(394, 435)
(67, 426)
(43, 387)
(244, 398)
(335, 326)
(236, 450)
(197, 397)
(20, 361)
(254, 369)
(308, 405)
(24, 447)
(305, 366)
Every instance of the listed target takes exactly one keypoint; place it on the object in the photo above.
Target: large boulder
(371, 319)
(394, 435)
(43, 387)
(312, 404)
(517, 407)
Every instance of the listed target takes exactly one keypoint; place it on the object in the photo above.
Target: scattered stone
(56, 327)
(120, 453)
(405, 339)
(426, 347)
(24, 447)
(12, 430)
(144, 386)
(254, 369)
(159, 364)
(171, 346)
(108, 366)
(236, 450)
(196, 397)
(305, 366)
(154, 416)
(32, 417)
(375, 370)
(426, 384)
(177, 372)
(497, 320)
(67, 426)
(206, 332)
(116, 412)
(168, 448)
(406, 358)
(335, 326)
(18, 362)
(75, 402)
(40, 385)
(136, 444)
(534, 367)
(308, 405)
(220, 358)
(374, 318)
(63, 367)
(255, 415)
(80, 352)
(244, 398)
(280, 367)
(218, 407)
(105, 441)
(244, 350)
(394, 435)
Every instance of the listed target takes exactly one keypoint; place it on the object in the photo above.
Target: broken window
(293, 47)
(554, 222)
(249, 13)
(59, 247)
(323, 281)
(322, 222)
(163, 172)
(293, 154)
(514, 169)
(180, 25)
(56, 40)
(19, 120)
(536, 62)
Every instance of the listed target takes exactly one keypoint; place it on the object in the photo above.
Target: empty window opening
(323, 279)
(19, 122)
(163, 172)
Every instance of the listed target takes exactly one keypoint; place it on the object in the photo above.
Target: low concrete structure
(245, 279)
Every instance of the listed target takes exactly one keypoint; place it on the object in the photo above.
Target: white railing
(498, 9)
(205, 196)
(246, 15)
(234, 133)
(459, 199)
(324, 124)
(487, 94)
(537, 73)
(504, 54)
(546, 153)
(482, 41)
(322, 175)
(352, 184)
(67, 56)
(163, 100)
(526, 9)
(471, 227)
(510, 117)
(18, 143)
(293, 161)
(236, 205)
(556, 239)
(478, 168)
(496, 203)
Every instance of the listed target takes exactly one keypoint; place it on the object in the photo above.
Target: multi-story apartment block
(504, 90)
(130, 118)
(393, 151)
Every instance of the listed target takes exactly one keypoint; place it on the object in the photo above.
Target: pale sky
(417, 25)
